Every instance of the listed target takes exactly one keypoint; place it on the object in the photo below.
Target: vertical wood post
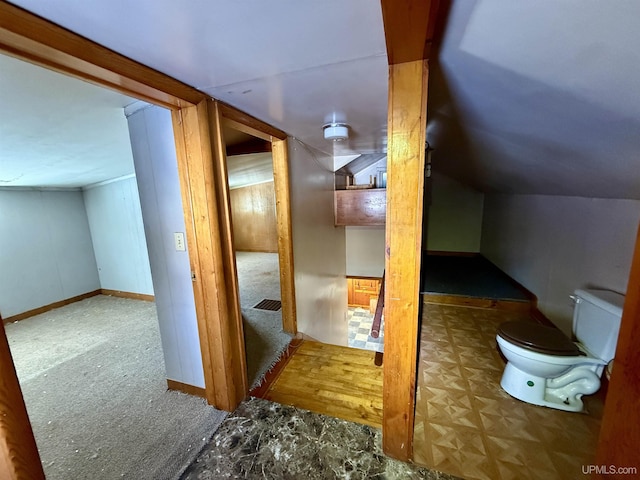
(280, 156)
(619, 440)
(219, 321)
(19, 458)
(405, 183)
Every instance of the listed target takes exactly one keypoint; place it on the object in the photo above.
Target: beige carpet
(259, 279)
(92, 374)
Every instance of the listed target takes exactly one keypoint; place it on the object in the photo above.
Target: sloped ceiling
(524, 97)
(539, 97)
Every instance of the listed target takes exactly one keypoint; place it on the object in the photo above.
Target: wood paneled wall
(253, 210)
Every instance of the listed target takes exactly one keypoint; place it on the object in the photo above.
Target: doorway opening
(250, 180)
(77, 287)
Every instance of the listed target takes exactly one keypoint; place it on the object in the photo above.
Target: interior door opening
(250, 179)
(83, 329)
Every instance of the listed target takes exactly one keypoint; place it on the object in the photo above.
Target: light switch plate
(179, 241)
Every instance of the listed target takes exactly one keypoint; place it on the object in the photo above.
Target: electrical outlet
(179, 241)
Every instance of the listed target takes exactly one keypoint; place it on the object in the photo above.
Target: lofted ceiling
(524, 97)
(539, 97)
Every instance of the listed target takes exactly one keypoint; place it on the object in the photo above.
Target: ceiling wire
(313, 155)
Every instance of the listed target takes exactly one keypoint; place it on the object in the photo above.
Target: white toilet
(544, 367)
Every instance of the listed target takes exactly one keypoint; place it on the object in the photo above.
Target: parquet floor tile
(466, 425)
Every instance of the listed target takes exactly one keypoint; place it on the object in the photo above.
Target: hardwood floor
(338, 381)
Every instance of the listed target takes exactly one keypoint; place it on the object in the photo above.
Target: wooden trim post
(405, 183)
(619, 440)
(19, 457)
(279, 152)
(216, 306)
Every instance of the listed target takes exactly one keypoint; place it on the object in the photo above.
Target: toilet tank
(596, 321)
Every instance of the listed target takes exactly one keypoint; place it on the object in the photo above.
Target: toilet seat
(538, 338)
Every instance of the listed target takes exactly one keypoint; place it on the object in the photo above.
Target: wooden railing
(377, 320)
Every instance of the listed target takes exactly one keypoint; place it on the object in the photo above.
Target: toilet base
(532, 389)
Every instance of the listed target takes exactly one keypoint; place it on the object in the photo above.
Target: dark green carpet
(468, 276)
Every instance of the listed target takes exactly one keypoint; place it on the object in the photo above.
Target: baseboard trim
(185, 388)
(462, 301)
(122, 294)
(445, 253)
(51, 306)
(77, 298)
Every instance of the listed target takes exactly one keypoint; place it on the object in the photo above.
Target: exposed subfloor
(466, 425)
(264, 440)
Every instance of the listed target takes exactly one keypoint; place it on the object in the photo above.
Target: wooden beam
(217, 310)
(619, 440)
(248, 124)
(19, 458)
(32, 38)
(285, 236)
(405, 183)
(409, 28)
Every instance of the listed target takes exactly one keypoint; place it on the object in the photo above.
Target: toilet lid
(538, 338)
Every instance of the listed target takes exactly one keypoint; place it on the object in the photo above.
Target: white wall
(115, 220)
(365, 251)
(553, 245)
(365, 245)
(455, 216)
(364, 176)
(154, 155)
(46, 254)
(318, 247)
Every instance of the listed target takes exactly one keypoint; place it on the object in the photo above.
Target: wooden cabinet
(363, 292)
(361, 207)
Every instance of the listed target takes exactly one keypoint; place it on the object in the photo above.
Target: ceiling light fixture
(336, 131)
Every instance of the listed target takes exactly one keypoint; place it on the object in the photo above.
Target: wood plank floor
(338, 381)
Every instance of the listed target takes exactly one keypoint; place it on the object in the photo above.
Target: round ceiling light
(336, 131)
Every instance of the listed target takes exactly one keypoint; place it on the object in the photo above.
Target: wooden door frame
(196, 121)
(234, 118)
(409, 30)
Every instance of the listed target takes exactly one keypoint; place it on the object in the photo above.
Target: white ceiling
(525, 97)
(56, 131)
(540, 97)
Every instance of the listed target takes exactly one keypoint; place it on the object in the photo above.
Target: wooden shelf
(361, 207)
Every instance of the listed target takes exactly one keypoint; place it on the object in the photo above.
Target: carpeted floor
(259, 279)
(93, 379)
(468, 276)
